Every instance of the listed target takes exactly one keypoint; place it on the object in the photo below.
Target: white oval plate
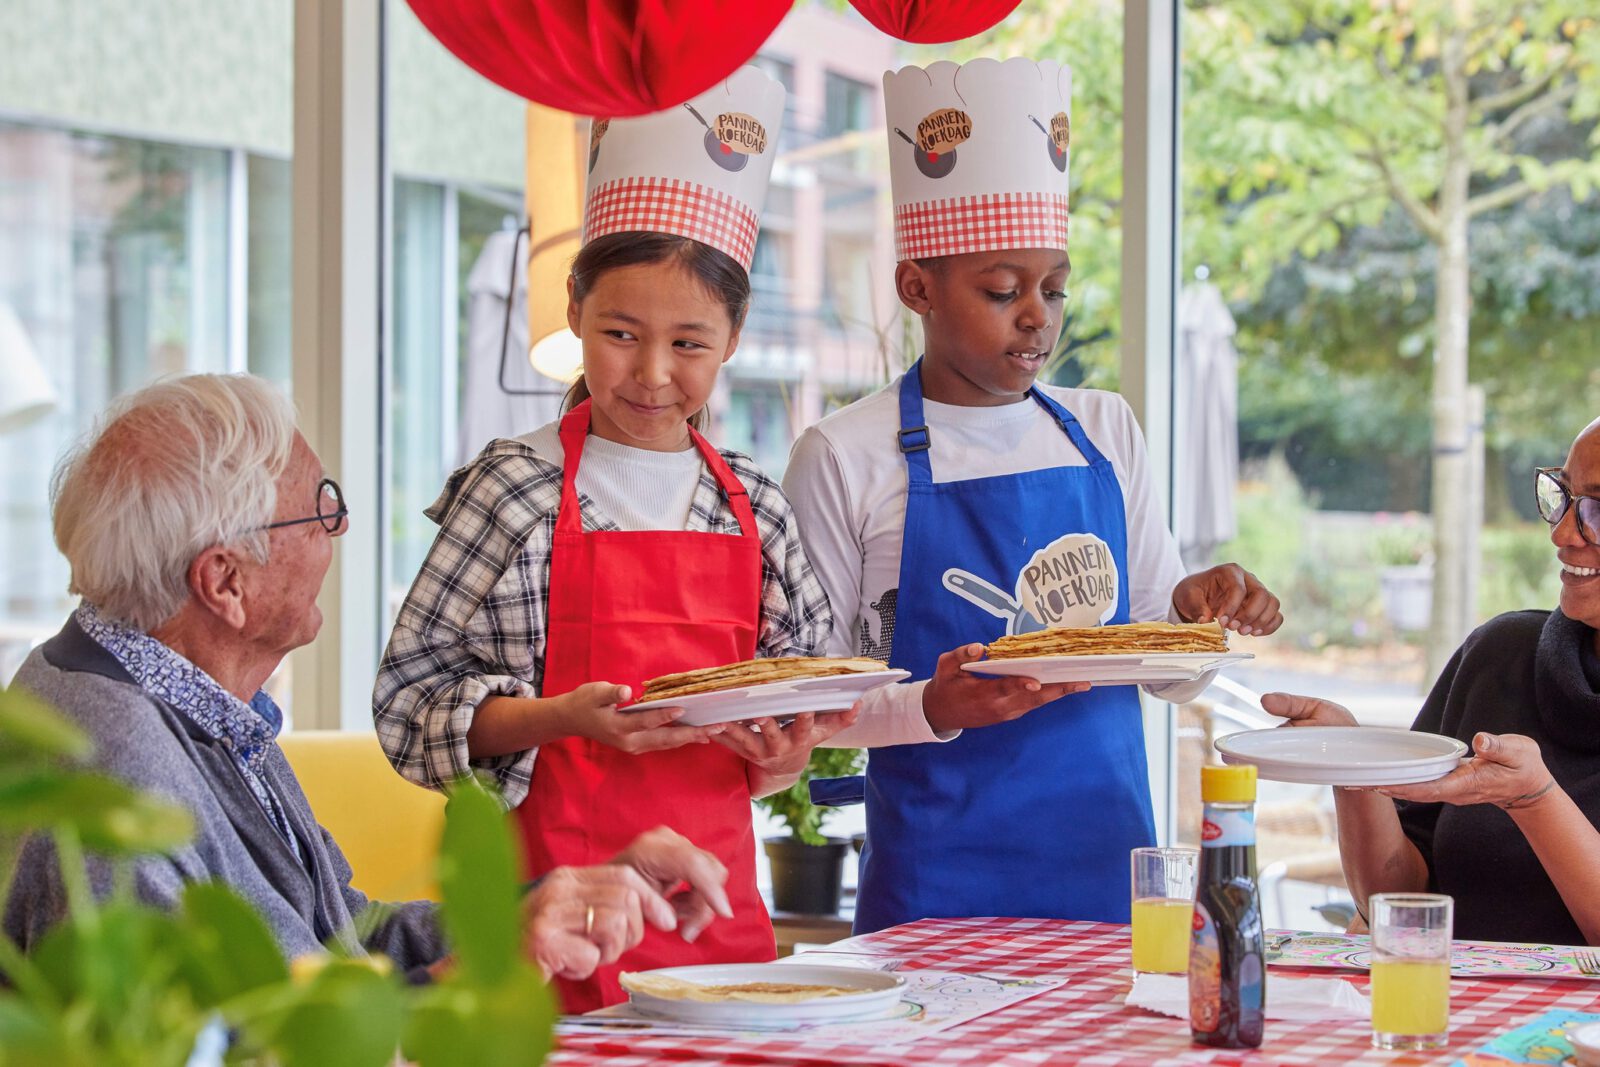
(833, 693)
(1134, 669)
(1344, 755)
(879, 992)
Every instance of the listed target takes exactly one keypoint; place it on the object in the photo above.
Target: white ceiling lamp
(26, 394)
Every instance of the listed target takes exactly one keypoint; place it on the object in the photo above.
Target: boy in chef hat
(963, 502)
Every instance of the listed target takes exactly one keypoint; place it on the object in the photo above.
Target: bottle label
(1220, 828)
(1205, 973)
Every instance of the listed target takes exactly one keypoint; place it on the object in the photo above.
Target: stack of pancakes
(755, 672)
(1135, 638)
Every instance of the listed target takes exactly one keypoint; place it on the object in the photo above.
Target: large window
(143, 232)
(456, 194)
(1320, 328)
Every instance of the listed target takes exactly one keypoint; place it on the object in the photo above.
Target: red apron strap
(575, 430)
(738, 496)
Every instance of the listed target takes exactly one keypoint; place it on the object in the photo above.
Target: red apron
(624, 607)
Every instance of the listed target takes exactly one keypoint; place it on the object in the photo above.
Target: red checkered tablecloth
(1084, 1021)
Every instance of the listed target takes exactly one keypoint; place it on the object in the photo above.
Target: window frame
(341, 243)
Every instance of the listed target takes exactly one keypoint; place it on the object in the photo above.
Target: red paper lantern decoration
(603, 57)
(934, 21)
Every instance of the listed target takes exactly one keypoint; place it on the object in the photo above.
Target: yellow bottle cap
(1228, 785)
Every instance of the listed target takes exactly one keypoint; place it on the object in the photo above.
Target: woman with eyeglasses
(1511, 833)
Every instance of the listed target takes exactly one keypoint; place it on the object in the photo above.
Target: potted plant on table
(807, 867)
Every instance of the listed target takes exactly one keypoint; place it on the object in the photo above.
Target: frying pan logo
(1072, 581)
(733, 139)
(937, 137)
(1056, 139)
(597, 132)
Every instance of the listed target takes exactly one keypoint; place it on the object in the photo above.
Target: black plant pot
(806, 878)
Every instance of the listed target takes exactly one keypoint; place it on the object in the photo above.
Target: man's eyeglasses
(331, 511)
(1555, 498)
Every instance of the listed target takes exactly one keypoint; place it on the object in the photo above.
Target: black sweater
(1526, 672)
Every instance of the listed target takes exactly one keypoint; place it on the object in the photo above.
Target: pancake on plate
(1134, 638)
(755, 672)
(656, 985)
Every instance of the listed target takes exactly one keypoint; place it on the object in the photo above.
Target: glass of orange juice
(1163, 907)
(1410, 970)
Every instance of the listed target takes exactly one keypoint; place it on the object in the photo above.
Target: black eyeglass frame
(330, 522)
(1590, 533)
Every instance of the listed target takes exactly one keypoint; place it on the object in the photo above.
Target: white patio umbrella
(488, 410)
(1206, 427)
(26, 394)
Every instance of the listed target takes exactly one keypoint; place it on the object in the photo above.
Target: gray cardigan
(149, 744)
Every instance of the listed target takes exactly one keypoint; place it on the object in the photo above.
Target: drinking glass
(1410, 970)
(1163, 908)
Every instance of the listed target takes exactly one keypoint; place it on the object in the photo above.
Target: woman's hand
(1505, 770)
(592, 711)
(781, 752)
(955, 699)
(1307, 711)
(1231, 595)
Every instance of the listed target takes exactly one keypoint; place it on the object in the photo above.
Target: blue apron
(1032, 817)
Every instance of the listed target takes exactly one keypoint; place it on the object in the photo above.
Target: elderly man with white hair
(199, 526)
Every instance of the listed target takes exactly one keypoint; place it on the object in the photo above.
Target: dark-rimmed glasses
(331, 511)
(1555, 498)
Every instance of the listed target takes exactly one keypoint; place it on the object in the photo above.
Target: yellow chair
(388, 828)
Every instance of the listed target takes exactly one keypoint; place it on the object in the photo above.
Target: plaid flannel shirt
(473, 624)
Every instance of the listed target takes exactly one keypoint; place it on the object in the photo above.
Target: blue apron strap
(1070, 426)
(914, 440)
(838, 792)
(913, 435)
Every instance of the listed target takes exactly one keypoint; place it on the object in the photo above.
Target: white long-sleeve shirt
(847, 483)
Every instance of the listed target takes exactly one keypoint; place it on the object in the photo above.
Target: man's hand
(578, 918)
(1231, 595)
(955, 699)
(690, 878)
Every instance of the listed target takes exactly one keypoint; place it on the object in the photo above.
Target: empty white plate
(836, 692)
(1344, 755)
(877, 993)
(1130, 669)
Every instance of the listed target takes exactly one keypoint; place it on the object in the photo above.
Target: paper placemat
(934, 1001)
(1468, 959)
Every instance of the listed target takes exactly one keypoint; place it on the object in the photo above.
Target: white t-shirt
(847, 482)
(636, 488)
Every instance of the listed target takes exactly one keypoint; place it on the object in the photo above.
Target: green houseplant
(807, 867)
(120, 983)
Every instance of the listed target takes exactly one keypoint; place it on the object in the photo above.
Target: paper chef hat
(978, 155)
(698, 170)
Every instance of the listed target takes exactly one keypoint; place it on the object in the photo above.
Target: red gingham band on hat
(671, 205)
(985, 223)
